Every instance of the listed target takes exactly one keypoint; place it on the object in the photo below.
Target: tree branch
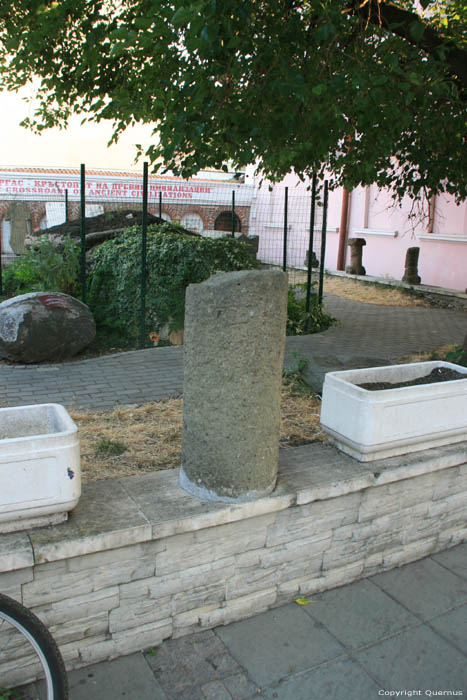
(411, 27)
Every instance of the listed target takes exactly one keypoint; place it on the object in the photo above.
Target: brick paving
(365, 335)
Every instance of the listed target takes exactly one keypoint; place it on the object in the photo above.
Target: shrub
(43, 268)
(173, 262)
(458, 355)
(299, 321)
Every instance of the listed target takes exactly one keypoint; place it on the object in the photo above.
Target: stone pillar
(20, 226)
(356, 267)
(314, 259)
(411, 275)
(233, 354)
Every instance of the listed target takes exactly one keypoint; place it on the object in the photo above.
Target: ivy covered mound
(173, 262)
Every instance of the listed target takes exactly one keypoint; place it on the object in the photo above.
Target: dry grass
(368, 293)
(439, 354)
(151, 434)
(149, 437)
(365, 292)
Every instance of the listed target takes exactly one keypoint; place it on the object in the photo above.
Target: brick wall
(207, 212)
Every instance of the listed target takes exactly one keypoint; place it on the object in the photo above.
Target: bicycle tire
(15, 620)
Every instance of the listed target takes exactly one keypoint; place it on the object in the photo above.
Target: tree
(368, 90)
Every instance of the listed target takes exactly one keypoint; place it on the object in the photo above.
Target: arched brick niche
(223, 222)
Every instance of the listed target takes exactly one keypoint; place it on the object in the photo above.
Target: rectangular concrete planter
(40, 477)
(370, 425)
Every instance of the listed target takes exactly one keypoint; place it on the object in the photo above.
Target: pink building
(32, 198)
(440, 231)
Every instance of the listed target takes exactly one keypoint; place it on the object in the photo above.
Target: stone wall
(140, 560)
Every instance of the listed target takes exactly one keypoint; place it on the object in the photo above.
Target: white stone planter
(40, 476)
(370, 425)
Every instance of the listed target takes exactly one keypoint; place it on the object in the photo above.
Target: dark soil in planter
(439, 374)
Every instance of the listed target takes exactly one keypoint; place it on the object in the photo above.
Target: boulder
(44, 326)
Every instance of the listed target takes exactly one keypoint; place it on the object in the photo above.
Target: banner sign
(29, 187)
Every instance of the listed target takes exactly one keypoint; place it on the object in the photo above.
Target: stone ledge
(115, 513)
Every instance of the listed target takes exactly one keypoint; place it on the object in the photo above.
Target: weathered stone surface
(314, 259)
(238, 609)
(44, 326)
(127, 641)
(139, 613)
(356, 267)
(105, 518)
(15, 552)
(80, 607)
(234, 344)
(411, 275)
(204, 546)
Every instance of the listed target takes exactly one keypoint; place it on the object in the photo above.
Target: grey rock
(44, 326)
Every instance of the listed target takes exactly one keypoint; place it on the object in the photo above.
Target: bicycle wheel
(28, 652)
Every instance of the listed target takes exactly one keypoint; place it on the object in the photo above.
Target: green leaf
(181, 16)
(319, 89)
(417, 30)
(143, 23)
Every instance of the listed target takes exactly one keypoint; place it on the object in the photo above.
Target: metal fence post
(233, 213)
(144, 224)
(286, 206)
(323, 242)
(310, 250)
(66, 206)
(160, 205)
(83, 232)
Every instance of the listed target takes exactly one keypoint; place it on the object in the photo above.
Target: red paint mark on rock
(54, 301)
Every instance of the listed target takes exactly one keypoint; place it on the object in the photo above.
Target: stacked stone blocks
(107, 603)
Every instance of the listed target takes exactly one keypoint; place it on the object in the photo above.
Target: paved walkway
(403, 630)
(365, 336)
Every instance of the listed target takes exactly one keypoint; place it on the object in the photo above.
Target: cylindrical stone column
(356, 252)
(233, 354)
(411, 275)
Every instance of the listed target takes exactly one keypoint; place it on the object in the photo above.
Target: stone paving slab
(338, 680)
(415, 659)
(335, 648)
(359, 614)
(279, 643)
(442, 589)
(453, 627)
(455, 560)
(129, 678)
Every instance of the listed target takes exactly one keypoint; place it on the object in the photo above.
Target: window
(193, 222)
(224, 222)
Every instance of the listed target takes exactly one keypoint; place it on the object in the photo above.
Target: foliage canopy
(371, 91)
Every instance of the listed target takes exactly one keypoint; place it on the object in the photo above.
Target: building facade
(33, 199)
